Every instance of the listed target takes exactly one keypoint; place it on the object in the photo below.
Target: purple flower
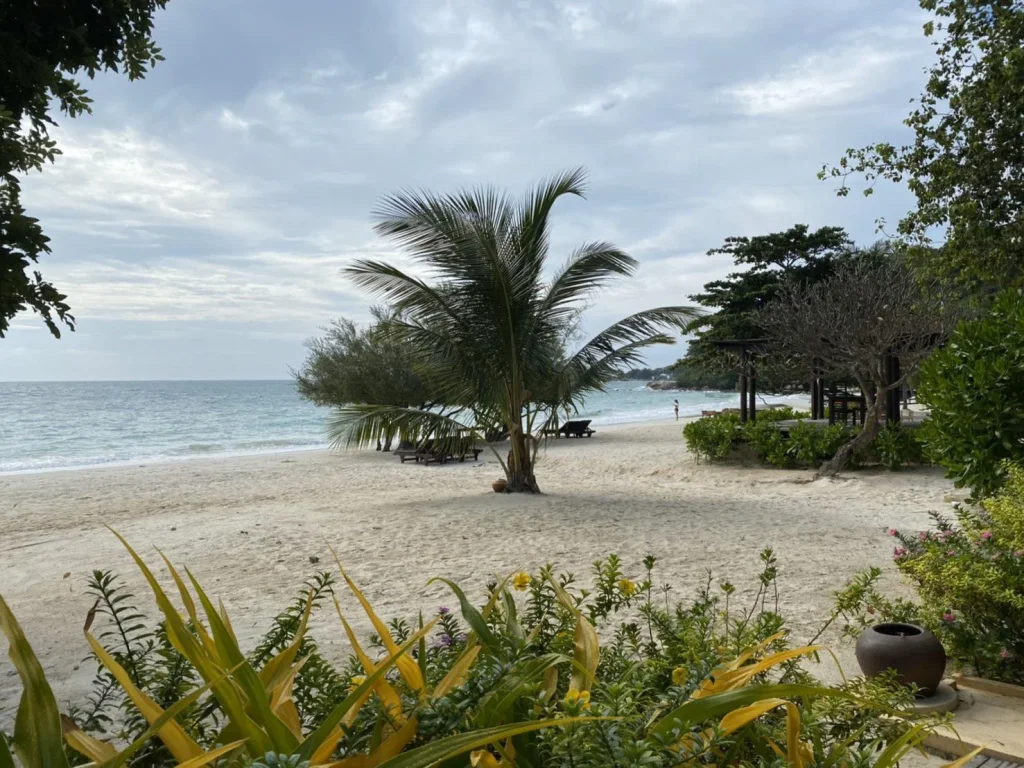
(1004, 654)
(444, 610)
(444, 641)
(899, 552)
(948, 617)
(462, 637)
(986, 535)
(946, 534)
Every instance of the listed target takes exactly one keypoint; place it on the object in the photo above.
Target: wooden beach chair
(577, 429)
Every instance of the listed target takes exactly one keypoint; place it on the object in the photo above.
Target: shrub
(527, 676)
(969, 578)
(767, 441)
(896, 447)
(711, 438)
(974, 390)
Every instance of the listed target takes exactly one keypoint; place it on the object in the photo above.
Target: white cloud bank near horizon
(199, 218)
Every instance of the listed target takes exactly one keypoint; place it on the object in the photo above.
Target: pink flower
(893, 532)
(946, 534)
(948, 617)
(869, 609)
(950, 552)
(899, 552)
(923, 535)
(1004, 654)
(1019, 553)
(986, 535)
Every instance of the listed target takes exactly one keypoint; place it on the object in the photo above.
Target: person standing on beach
(675, 407)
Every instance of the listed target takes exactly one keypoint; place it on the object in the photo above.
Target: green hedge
(974, 388)
(713, 438)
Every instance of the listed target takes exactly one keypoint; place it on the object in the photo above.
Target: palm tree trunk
(519, 467)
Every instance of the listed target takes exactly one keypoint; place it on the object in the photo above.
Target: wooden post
(892, 394)
(752, 393)
(743, 387)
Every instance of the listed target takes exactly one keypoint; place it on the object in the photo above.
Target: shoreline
(241, 454)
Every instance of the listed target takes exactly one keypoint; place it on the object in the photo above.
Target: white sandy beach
(248, 527)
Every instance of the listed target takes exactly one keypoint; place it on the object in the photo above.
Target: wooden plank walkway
(990, 762)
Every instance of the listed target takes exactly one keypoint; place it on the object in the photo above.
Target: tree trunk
(864, 438)
(519, 475)
(387, 443)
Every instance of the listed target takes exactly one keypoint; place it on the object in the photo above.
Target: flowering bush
(969, 577)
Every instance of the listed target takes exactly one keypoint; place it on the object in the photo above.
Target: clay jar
(915, 653)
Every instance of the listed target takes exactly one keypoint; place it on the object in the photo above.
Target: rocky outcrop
(662, 385)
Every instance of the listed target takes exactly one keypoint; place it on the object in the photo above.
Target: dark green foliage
(770, 261)
(362, 365)
(712, 438)
(974, 388)
(897, 447)
(691, 375)
(965, 165)
(44, 46)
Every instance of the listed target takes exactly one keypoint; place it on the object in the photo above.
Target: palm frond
(629, 330)
(590, 268)
(360, 425)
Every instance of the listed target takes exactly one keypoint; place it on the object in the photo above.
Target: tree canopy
(774, 260)
(349, 364)
(496, 333)
(845, 326)
(965, 164)
(44, 45)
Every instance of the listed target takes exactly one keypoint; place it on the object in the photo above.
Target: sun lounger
(577, 428)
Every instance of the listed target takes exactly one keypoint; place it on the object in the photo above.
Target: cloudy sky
(199, 217)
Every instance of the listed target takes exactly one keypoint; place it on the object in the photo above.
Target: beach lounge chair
(409, 452)
(577, 428)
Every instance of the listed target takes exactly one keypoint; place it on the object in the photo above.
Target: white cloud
(819, 80)
(233, 122)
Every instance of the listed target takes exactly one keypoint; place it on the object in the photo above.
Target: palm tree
(491, 328)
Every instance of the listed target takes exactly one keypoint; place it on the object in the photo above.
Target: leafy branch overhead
(44, 46)
(965, 162)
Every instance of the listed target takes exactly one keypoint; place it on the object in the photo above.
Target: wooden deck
(990, 762)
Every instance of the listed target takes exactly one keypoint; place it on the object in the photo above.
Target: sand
(247, 527)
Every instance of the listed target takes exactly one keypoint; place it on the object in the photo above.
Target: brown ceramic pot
(915, 653)
(498, 486)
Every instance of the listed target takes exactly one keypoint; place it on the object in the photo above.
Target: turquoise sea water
(58, 425)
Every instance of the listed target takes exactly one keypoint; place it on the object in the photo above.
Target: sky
(200, 217)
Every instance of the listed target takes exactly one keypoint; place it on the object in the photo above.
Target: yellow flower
(481, 758)
(680, 675)
(521, 581)
(356, 681)
(627, 587)
(574, 696)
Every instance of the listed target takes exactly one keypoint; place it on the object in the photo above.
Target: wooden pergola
(748, 373)
(746, 348)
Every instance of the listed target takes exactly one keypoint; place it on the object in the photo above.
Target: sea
(67, 425)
